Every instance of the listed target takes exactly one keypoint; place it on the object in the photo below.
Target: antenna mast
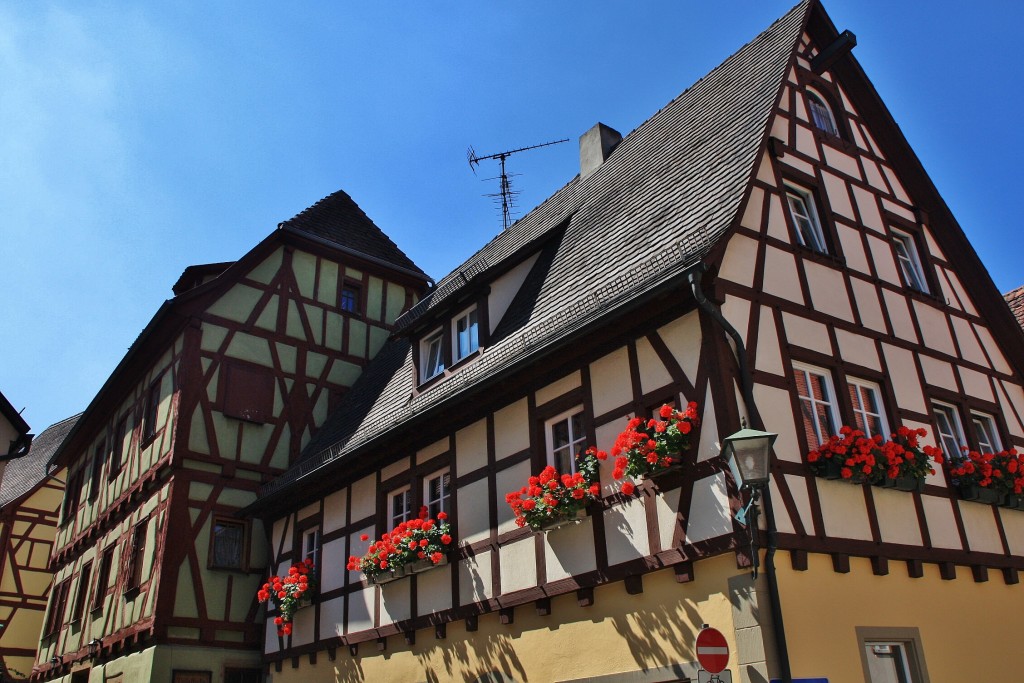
(506, 193)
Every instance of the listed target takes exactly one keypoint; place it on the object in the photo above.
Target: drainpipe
(747, 389)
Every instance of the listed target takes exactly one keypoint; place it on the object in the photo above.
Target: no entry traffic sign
(712, 650)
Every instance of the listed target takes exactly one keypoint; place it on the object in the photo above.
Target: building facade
(154, 573)
(767, 246)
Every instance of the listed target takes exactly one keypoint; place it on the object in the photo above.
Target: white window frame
(576, 441)
(471, 315)
(443, 502)
(817, 106)
(393, 519)
(951, 434)
(813, 403)
(312, 544)
(862, 411)
(430, 365)
(909, 260)
(987, 433)
(805, 218)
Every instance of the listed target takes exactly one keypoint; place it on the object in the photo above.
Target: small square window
(350, 297)
(868, 413)
(804, 212)
(437, 491)
(565, 438)
(431, 356)
(986, 433)
(466, 334)
(949, 429)
(227, 544)
(910, 261)
(817, 403)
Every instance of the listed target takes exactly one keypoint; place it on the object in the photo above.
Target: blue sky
(137, 139)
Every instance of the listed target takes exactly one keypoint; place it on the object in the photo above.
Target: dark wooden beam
(507, 615)
(915, 569)
(880, 566)
(980, 573)
(1011, 576)
(382, 644)
(472, 622)
(684, 572)
(798, 559)
(839, 48)
(440, 631)
(841, 563)
(634, 584)
(543, 607)
(947, 570)
(585, 596)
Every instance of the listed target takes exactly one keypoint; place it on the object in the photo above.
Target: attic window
(804, 212)
(821, 114)
(350, 297)
(466, 333)
(431, 356)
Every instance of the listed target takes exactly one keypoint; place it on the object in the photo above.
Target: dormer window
(466, 334)
(431, 356)
(821, 114)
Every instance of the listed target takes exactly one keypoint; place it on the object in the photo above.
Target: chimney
(596, 145)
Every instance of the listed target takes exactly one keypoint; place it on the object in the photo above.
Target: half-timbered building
(14, 433)
(30, 501)
(774, 218)
(154, 574)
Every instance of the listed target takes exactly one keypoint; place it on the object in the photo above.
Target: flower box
(676, 466)
(387, 576)
(551, 499)
(556, 522)
(980, 494)
(289, 593)
(412, 546)
(1014, 501)
(904, 484)
(649, 448)
(426, 565)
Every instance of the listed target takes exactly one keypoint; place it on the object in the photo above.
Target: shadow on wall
(660, 636)
(480, 660)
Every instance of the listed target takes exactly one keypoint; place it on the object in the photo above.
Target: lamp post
(94, 647)
(749, 453)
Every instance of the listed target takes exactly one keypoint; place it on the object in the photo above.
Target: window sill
(924, 297)
(836, 142)
(820, 257)
(131, 593)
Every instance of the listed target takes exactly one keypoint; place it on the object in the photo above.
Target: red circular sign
(712, 650)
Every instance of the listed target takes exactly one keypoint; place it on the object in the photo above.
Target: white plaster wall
(626, 532)
(843, 510)
(558, 388)
(471, 447)
(569, 550)
(610, 381)
(709, 509)
(511, 429)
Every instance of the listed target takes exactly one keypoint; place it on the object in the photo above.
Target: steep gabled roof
(650, 212)
(1015, 300)
(14, 417)
(337, 218)
(24, 474)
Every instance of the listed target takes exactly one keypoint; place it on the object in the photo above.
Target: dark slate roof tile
(22, 474)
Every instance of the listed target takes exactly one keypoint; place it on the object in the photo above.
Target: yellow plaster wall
(959, 620)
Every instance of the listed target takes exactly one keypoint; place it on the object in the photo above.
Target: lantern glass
(749, 454)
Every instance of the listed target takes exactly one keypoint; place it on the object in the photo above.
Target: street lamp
(55, 661)
(94, 647)
(749, 452)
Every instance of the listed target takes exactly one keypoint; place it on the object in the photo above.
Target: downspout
(747, 390)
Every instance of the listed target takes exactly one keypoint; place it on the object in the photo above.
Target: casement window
(949, 429)
(351, 296)
(97, 469)
(399, 506)
(311, 545)
(910, 261)
(137, 555)
(868, 412)
(227, 544)
(437, 492)
(818, 407)
(432, 356)
(465, 334)
(117, 447)
(152, 411)
(72, 493)
(804, 212)
(83, 591)
(565, 438)
(58, 603)
(821, 114)
(986, 433)
(103, 577)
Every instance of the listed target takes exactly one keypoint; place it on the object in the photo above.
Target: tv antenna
(506, 193)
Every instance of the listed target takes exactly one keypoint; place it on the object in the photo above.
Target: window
(566, 436)
(821, 114)
(83, 591)
(97, 469)
(817, 403)
(103, 578)
(138, 555)
(117, 447)
(248, 392)
(399, 506)
(804, 212)
(152, 410)
(58, 602)
(227, 544)
(892, 654)
(466, 334)
(72, 493)
(868, 415)
(910, 262)
(350, 297)
(437, 492)
(986, 433)
(311, 546)
(431, 356)
(949, 429)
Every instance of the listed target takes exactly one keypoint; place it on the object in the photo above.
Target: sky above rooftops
(138, 139)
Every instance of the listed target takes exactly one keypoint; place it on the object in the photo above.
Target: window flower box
(1013, 501)
(648, 448)
(423, 542)
(990, 478)
(289, 593)
(557, 522)
(550, 498)
(900, 463)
